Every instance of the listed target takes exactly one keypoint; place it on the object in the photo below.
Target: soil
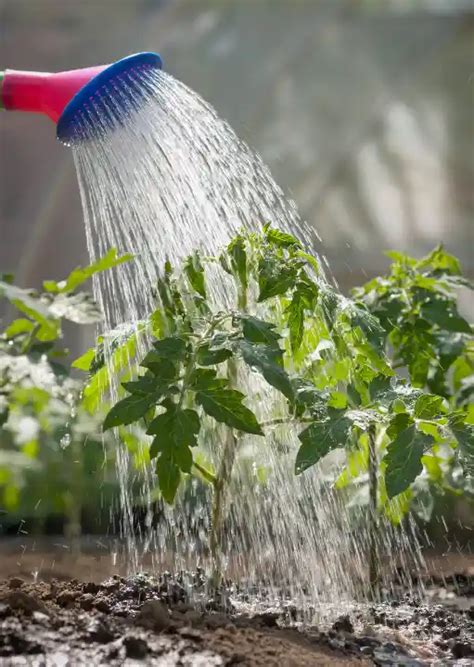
(123, 622)
(154, 621)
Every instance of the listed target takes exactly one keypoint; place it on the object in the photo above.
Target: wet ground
(48, 619)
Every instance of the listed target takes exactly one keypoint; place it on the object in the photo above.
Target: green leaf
(440, 261)
(274, 277)
(307, 397)
(128, 410)
(403, 459)
(281, 239)
(259, 331)
(338, 400)
(225, 405)
(208, 357)
(400, 422)
(100, 380)
(83, 363)
(320, 438)
(267, 360)
(162, 368)
(169, 477)
(381, 388)
(444, 314)
(176, 431)
(18, 326)
(238, 259)
(4, 412)
(296, 321)
(360, 317)
(27, 298)
(81, 275)
(195, 273)
(464, 434)
(400, 258)
(177, 427)
(145, 385)
(330, 302)
(172, 348)
(428, 406)
(206, 378)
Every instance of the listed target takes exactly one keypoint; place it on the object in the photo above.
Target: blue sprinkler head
(76, 124)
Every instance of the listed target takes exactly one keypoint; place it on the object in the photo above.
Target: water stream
(176, 179)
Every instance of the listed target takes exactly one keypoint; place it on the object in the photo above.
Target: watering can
(65, 96)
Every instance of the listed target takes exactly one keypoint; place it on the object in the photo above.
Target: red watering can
(66, 96)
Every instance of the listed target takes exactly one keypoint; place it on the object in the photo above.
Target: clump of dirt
(172, 621)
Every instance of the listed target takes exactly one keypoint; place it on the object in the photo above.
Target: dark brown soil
(49, 618)
(125, 622)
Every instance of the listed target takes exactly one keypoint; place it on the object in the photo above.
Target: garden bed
(154, 621)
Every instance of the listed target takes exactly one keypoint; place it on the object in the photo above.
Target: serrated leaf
(338, 400)
(403, 459)
(175, 432)
(281, 239)
(259, 331)
(370, 326)
(267, 360)
(226, 406)
(195, 273)
(274, 278)
(169, 477)
(172, 348)
(428, 406)
(444, 314)
(128, 410)
(321, 437)
(206, 378)
(81, 275)
(296, 321)
(440, 261)
(100, 380)
(206, 356)
(329, 304)
(162, 368)
(176, 426)
(28, 298)
(307, 397)
(83, 363)
(18, 326)
(238, 259)
(464, 434)
(145, 385)
(398, 423)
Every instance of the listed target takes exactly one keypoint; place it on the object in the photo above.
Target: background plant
(52, 456)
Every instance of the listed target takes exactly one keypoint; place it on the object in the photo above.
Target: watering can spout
(65, 96)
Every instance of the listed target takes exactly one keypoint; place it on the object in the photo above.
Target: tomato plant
(337, 367)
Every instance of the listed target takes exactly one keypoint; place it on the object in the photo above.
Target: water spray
(68, 97)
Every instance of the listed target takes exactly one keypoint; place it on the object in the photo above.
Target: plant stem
(218, 506)
(373, 515)
(224, 471)
(207, 474)
(223, 476)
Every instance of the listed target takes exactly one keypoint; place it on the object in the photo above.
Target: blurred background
(363, 109)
